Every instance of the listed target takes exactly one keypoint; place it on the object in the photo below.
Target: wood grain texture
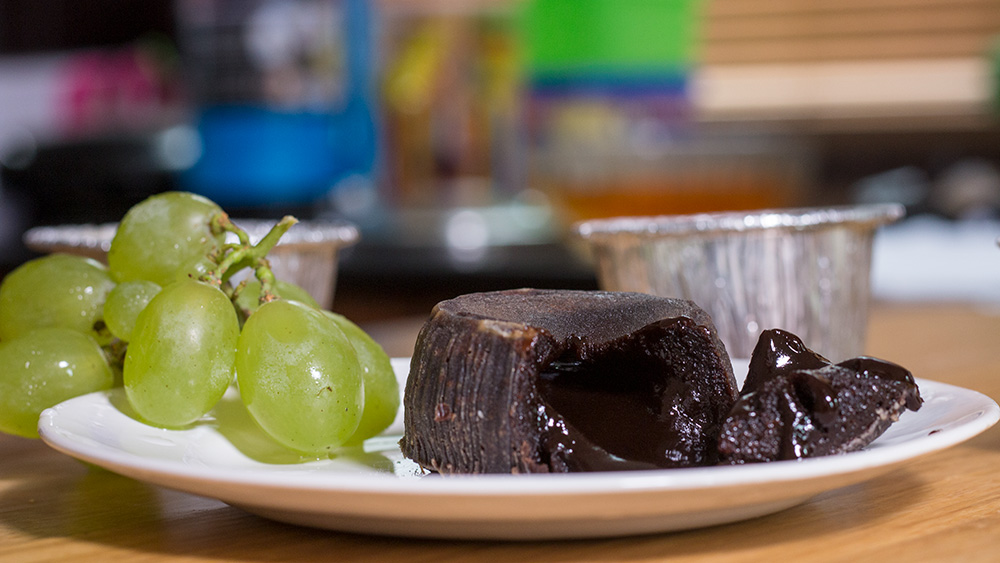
(771, 31)
(942, 507)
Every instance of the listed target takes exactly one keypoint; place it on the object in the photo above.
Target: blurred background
(464, 137)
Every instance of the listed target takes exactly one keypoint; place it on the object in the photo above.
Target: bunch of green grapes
(50, 337)
(165, 314)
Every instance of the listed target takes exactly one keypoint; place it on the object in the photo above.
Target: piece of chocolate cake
(529, 381)
(797, 404)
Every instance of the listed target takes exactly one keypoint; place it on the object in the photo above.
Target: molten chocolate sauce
(622, 409)
(808, 403)
(597, 422)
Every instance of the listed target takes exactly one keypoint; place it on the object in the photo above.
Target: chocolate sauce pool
(594, 423)
(621, 410)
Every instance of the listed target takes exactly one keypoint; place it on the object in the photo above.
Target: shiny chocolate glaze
(873, 367)
(795, 403)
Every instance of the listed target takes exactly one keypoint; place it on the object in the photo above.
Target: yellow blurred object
(410, 80)
(451, 96)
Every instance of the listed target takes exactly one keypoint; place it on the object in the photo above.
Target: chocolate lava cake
(534, 381)
(797, 404)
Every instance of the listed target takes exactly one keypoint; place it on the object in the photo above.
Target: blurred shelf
(873, 95)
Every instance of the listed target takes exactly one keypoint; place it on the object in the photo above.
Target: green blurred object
(604, 74)
(647, 36)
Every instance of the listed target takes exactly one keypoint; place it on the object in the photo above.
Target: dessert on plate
(553, 381)
(529, 381)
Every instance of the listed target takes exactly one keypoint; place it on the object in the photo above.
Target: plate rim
(514, 507)
(984, 415)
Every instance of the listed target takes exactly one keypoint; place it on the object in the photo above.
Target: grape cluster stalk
(164, 320)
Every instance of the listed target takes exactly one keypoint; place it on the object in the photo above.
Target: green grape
(161, 235)
(124, 304)
(194, 270)
(381, 386)
(249, 298)
(57, 290)
(181, 357)
(299, 377)
(43, 368)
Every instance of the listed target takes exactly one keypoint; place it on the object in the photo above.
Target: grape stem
(266, 277)
(244, 254)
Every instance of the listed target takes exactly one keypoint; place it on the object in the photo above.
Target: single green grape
(45, 367)
(57, 290)
(124, 304)
(248, 299)
(381, 387)
(299, 377)
(162, 234)
(181, 357)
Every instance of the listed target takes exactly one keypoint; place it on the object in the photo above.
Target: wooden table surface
(944, 506)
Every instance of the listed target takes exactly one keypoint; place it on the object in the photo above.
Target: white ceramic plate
(375, 490)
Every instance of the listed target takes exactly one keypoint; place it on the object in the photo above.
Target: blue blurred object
(284, 98)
